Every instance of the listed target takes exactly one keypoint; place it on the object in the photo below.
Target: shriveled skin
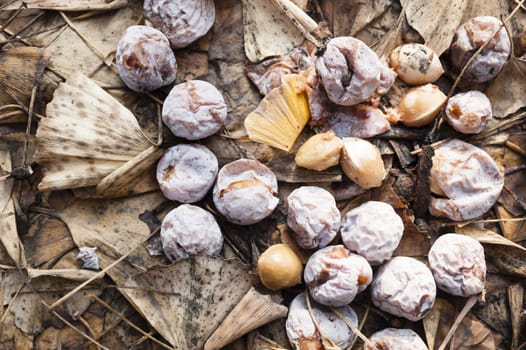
(185, 173)
(302, 332)
(396, 339)
(183, 22)
(267, 75)
(245, 191)
(194, 110)
(467, 177)
(469, 38)
(468, 112)
(372, 230)
(357, 121)
(335, 276)
(313, 216)
(351, 72)
(189, 230)
(404, 287)
(144, 59)
(458, 264)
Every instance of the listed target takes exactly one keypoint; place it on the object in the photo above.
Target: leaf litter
(186, 301)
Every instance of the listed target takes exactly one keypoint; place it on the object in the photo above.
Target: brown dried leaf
(346, 17)
(438, 322)
(506, 92)
(485, 236)
(503, 260)
(70, 53)
(267, 30)
(515, 299)
(473, 335)
(12, 338)
(437, 21)
(494, 312)
(48, 238)
(186, 301)
(70, 5)
(21, 68)
(8, 229)
(515, 231)
(113, 226)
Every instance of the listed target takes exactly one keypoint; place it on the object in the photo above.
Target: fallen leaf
(506, 92)
(515, 231)
(472, 335)
(186, 301)
(113, 226)
(48, 238)
(253, 311)
(437, 21)
(12, 338)
(506, 261)
(485, 236)
(267, 30)
(515, 299)
(438, 322)
(495, 313)
(21, 68)
(8, 229)
(70, 53)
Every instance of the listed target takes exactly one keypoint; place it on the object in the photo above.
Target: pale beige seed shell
(421, 105)
(416, 64)
(320, 151)
(362, 162)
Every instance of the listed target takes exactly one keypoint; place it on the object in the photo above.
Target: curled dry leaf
(267, 30)
(76, 145)
(186, 301)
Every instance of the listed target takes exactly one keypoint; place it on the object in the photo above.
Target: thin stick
(29, 121)
(90, 330)
(100, 274)
(300, 19)
(29, 24)
(353, 328)
(97, 52)
(360, 326)
(469, 305)
(131, 324)
(465, 223)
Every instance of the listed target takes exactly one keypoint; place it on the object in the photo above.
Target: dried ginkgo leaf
(186, 301)
(86, 135)
(253, 311)
(281, 115)
(267, 30)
